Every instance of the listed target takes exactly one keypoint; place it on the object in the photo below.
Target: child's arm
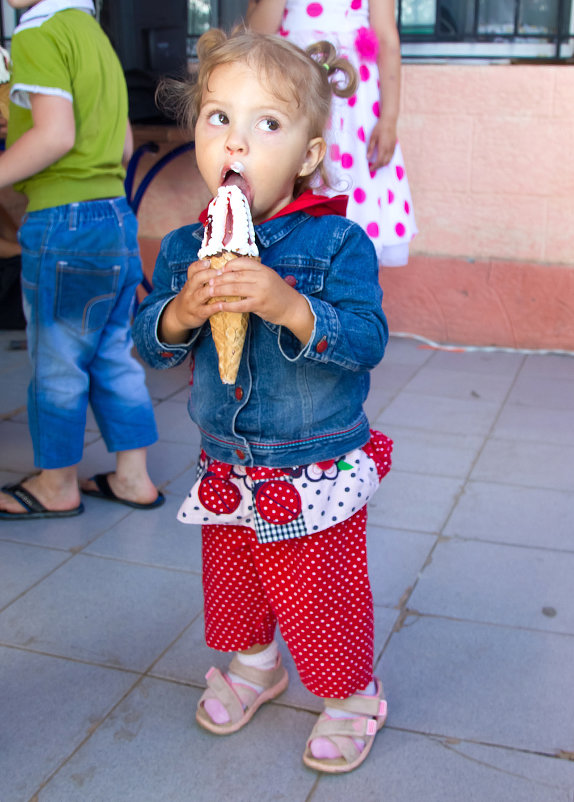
(265, 16)
(128, 145)
(384, 136)
(344, 325)
(52, 135)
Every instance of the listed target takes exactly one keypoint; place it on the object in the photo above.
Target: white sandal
(240, 701)
(370, 713)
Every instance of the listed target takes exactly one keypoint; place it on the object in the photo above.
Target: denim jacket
(293, 403)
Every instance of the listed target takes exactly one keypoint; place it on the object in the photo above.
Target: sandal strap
(264, 678)
(359, 705)
(342, 733)
(219, 688)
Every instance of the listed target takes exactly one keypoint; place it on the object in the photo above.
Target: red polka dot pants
(316, 587)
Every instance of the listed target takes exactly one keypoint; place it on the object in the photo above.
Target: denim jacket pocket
(306, 279)
(178, 275)
(85, 295)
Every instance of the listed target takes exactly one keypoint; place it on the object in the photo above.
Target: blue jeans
(80, 270)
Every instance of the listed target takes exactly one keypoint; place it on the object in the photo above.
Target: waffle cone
(5, 100)
(228, 329)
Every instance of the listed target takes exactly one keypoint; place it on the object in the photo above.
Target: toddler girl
(288, 462)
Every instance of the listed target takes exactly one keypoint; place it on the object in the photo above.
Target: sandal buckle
(371, 727)
(382, 708)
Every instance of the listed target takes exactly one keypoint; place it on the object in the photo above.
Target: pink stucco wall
(490, 158)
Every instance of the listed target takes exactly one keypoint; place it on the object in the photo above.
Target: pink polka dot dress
(381, 201)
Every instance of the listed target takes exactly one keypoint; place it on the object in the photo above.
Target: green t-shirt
(70, 56)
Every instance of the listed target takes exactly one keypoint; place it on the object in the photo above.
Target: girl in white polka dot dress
(288, 461)
(364, 158)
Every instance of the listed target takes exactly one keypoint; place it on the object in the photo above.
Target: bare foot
(140, 490)
(54, 495)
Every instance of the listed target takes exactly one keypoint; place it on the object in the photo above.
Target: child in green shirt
(68, 142)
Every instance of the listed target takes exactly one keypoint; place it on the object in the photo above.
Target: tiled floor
(471, 542)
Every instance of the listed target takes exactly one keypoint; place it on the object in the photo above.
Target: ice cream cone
(228, 235)
(228, 329)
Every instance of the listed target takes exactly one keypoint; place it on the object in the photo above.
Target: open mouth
(234, 177)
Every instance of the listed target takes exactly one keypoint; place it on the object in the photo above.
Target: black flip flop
(106, 493)
(33, 509)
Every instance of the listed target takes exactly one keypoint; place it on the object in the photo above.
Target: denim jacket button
(240, 454)
(239, 393)
(291, 281)
(321, 345)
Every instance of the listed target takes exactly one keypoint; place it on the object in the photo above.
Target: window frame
(514, 46)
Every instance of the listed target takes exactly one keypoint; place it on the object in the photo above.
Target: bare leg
(55, 488)
(131, 480)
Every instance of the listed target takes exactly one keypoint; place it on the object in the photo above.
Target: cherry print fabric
(317, 588)
(379, 201)
(285, 503)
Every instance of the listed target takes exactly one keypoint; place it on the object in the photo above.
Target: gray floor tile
(180, 486)
(499, 362)
(463, 384)
(392, 377)
(549, 366)
(15, 382)
(66, 533)
(164, 384)
(413, 501)
(104, 611)
(454, 415)
(21, 566)
(395, 560)
(545, 465)
(536, 424)
(515, 515)
(407, 351)
(551, 393)
(492, 583)
(153, 537)
(151, 749)
(174, 424)
(16, 453)
(376, 404)
(404, 767)
(434, 453)
(490, 684)
(49, 706)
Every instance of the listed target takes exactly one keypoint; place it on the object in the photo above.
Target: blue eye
(218, 118)
(269, 124)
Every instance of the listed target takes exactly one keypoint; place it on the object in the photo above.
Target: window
(541, 29)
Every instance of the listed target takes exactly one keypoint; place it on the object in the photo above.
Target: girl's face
(243, 128)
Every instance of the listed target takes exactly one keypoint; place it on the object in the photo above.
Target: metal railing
(543, 29)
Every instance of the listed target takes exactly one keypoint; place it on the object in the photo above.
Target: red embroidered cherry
(277, 502)
(219, 495)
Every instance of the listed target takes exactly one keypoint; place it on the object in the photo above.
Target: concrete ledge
(486, 303)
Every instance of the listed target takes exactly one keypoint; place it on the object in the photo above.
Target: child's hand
(189, 309)
(264, 293)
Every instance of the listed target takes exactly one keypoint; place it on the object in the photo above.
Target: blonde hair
(309, 77)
